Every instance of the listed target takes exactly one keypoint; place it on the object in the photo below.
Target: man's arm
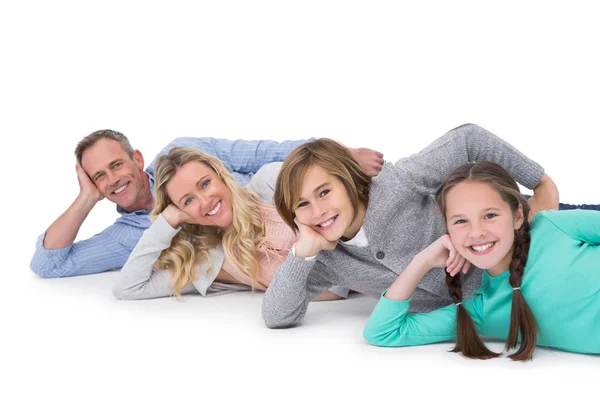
(248, 156)
(105, 251)
(242, 156)
(64, 230)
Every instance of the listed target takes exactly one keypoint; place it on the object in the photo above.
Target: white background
(386, 75)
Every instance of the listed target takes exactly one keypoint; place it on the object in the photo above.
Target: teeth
(119, 190)
(216, 209)
(327, 223)
(482, 248)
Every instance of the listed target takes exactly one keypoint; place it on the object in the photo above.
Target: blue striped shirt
(110, 248)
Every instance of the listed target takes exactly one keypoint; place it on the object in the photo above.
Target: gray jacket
(402, 219)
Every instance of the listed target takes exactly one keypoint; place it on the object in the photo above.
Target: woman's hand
(175, 216)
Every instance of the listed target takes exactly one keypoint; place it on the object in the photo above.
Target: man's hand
(371, 161)
(545, 197)
(310, 242)
(87, 189)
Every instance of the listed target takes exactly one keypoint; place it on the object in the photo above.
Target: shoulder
(263, 182)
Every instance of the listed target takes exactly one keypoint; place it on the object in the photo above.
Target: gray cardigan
(402, 218)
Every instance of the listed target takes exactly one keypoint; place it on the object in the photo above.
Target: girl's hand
(442, 253)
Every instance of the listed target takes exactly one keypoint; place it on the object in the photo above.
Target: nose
(318, 210)
(112, 176)
(203, 203)
(477, 230)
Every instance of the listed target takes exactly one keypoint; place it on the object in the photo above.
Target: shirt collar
(121, 211)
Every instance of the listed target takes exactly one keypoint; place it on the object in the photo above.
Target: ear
(519, 218)
(138, 158)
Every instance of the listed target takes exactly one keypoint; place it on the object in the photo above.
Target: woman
(210, 235)
(541, 282)
(361, 233)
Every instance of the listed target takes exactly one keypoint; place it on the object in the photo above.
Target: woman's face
(200, 193)
(325, 206)
(482, 225)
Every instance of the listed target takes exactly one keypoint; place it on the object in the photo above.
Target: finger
(380, 155)
(450, 259)
(455, 266)
(459, 264)
(466, 266)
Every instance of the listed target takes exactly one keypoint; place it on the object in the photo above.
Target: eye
(303, 204)
(117, 165)
(98, 177)
(489, 216)
(460, 221)
(187, 201)
(205, 184)
(324, 193)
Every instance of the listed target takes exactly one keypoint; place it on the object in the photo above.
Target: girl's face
(197, 190)
(325, 206)
(481, 225)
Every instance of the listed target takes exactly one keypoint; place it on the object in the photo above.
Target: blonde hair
(334, 158)
(192, 243)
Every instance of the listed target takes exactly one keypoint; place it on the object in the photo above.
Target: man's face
(118, 178)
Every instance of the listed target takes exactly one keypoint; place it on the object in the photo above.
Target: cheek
(457, 238)
(302, 215)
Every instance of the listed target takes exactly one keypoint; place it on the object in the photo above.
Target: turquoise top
(561, 284)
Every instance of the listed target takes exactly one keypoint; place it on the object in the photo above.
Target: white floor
(68, 338)
(392, 76)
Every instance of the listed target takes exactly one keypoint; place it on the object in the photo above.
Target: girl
(361, 233)
(210, 235)
(540, 285)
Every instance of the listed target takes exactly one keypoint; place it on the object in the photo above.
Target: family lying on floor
(443, 238)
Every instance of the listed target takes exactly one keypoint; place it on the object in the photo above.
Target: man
(108, 167)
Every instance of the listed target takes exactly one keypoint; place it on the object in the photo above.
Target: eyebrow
(316, 190)
(483, 211)
(199, 180)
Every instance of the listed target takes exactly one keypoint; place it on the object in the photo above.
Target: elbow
(467, 130)
(123, 293)
(277, 324)
(381, 338)
(43, 271)
(371, 336)
(277, 320)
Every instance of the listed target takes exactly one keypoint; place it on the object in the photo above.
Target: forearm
(483, 145)
(548, 191)
(63, 231)
(138, 279)
(286, 300)
(405, 285)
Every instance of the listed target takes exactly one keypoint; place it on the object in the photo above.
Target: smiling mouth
(327, 223)
(482, 249)
(120, 189)
(215, 210)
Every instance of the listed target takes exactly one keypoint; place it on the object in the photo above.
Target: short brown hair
(93, 138)
(334, 158)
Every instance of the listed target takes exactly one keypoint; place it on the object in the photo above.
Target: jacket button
(380, 254)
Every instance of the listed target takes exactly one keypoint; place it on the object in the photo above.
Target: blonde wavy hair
(192, 243)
